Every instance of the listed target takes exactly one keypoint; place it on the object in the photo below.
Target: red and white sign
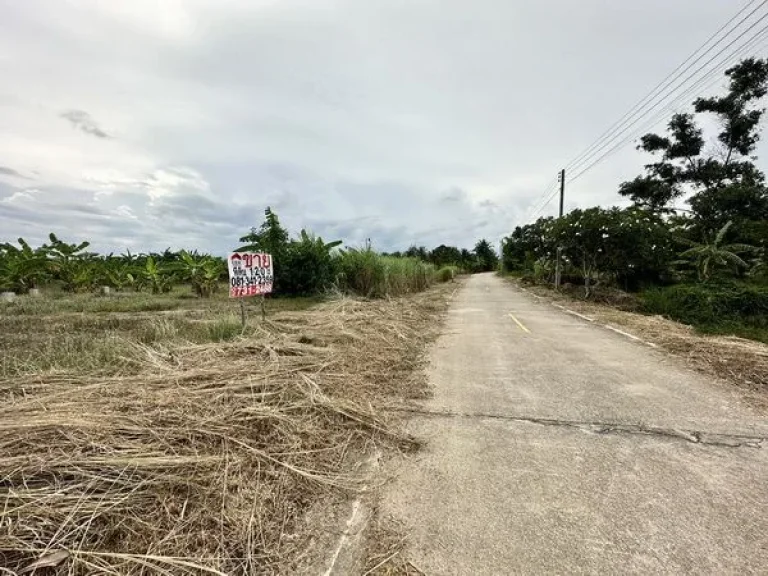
(250, 274)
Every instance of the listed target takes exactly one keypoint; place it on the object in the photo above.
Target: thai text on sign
(250, 274)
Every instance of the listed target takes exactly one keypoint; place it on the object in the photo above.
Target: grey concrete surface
(571, 449)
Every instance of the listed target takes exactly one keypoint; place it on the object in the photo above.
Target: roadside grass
(369, 274)
(170, 441)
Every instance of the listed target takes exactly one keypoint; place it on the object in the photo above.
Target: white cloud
(399, 120)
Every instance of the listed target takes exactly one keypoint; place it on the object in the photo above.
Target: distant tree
(445, 256)
(466, 260)
(417, 252)
(22, 267)
(487, 259)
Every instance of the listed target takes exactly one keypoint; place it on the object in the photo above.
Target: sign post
(250, 274)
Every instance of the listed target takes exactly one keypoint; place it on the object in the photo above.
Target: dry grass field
(153, 435)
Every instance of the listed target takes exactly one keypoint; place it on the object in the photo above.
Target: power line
(672, 91)
(539, 206)
(705, 82)
(598, 145)
(715, 73)
(669, 79)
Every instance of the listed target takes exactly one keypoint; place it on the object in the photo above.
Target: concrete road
(558, 447)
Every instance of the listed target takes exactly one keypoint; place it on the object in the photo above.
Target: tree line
(720, 239)
(304, 265)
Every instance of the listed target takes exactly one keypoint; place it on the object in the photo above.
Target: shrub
(308, 266)
(715, 307)
(447, 273)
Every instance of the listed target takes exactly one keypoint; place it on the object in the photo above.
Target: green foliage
(711, 254)
(447, 273)
(155, 277)
(367, 273)
(273, 239)
(308, 266)
(362, 272)
(628, 247)
(21, 268)
(202, 272)
(723, 307)
(686, 162)
(487, 259)
(70, 264)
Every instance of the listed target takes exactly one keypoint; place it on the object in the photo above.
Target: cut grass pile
(196, 451)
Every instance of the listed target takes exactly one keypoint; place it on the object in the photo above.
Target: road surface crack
(692, 436)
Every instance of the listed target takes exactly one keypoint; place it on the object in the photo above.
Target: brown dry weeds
(206, 461)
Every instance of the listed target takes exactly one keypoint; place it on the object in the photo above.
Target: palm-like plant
(66, 263)
(712, 254)
(155, 277)
(203, 272)
(21, 268)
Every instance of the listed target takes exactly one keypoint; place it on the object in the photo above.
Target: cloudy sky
(144, 124)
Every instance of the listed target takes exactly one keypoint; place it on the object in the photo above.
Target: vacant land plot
(147, 434)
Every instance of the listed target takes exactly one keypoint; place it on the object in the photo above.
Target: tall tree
(687, 165)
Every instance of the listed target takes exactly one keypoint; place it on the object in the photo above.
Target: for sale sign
(250, 274)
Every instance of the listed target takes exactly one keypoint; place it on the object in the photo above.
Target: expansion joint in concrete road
(692, 436)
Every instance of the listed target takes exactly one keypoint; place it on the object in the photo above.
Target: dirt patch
(737, 360)
(208, 458)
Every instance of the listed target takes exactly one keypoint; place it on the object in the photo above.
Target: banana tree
(155, 278)
(202, 272)
(118, 273)
(21, 268)
(65, 263)
(712, 254)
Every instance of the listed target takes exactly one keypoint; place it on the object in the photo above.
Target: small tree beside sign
(250, 274)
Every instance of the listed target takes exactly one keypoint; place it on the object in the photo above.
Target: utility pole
(561, 177)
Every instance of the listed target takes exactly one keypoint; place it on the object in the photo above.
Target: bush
(307, 267)
(447, 273)
(713, 307)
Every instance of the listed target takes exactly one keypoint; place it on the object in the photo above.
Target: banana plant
(155, 278)
(116, 273)
(202, 272)
(712, 253)
(22, 268)
(66, 263)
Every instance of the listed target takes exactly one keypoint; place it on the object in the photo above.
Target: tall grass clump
(369, 274)
(447, 273)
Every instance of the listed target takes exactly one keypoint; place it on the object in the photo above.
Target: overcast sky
(145, 124)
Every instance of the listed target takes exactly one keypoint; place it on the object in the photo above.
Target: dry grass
(202, 458)
(740, 361)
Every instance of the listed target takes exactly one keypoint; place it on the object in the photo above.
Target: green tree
(309, 266)
(273, 239)
(686, 164)
(445, 256)
(487, 259)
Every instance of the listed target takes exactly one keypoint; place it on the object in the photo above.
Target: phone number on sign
(248, 281)
(253, 290)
